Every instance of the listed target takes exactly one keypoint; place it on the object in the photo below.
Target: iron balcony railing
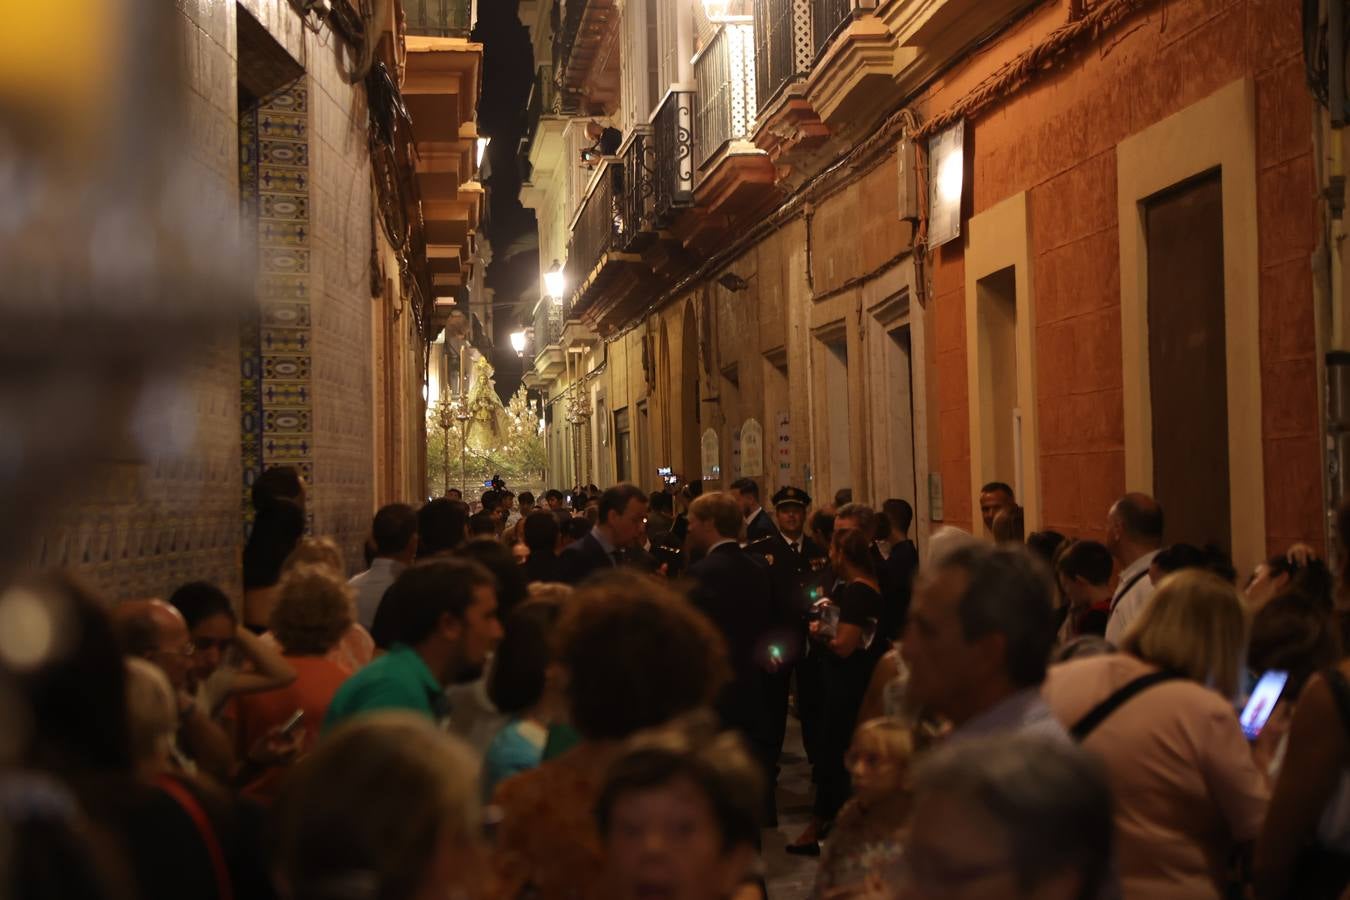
(599, 224)
(673, 136)
(639, 189)
(724, 73)
(438, 18)
(548, 323)
(828, 17)
(777, 59)
(565, 37)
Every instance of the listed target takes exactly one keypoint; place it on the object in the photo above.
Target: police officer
(800, 570)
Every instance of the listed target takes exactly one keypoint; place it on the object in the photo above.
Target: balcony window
(438, 18)
(725, 75)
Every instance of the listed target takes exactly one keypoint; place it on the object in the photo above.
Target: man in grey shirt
(394, 533)
(979, 635)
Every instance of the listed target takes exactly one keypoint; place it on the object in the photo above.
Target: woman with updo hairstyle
(633, 655)
(355, 647)
(313, 612)
(386, 808)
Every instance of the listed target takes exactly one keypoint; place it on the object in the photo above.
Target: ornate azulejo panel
(276, 385)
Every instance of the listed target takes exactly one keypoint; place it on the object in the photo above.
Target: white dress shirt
(370, 586)
(1132, 595)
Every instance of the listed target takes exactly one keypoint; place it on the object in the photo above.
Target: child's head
(679, 814)
(878, 759)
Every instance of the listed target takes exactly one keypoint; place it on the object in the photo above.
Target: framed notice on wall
(752, 449)
(712, 466)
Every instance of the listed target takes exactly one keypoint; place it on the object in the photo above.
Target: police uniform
(799, 574)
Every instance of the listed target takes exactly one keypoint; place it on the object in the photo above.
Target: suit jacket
(794, 572)
(897, 583)
(580, 559)
(542, 567)
(734, 589)
(761, 526)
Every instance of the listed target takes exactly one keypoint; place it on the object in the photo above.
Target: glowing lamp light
(518, 342)
(715, 9)
(426, 392)
(554, 282)
(947, 163)
(482, 149)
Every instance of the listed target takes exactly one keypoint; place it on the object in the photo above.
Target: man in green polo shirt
(444, 615)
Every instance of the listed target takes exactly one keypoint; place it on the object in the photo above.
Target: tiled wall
(141, 526)
(276, 359)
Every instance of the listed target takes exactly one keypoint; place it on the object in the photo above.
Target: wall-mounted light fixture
(733, 282)
(518, 342)
(482, 150)
(946, 184)
(555, 282)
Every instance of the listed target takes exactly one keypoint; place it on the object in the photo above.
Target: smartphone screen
(1262, 702)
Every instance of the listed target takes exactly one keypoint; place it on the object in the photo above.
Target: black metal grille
(774, 57)
(598, 227)
(438, 18)
(639, 187)
(674, 137)
(827, 18)
(725, 77)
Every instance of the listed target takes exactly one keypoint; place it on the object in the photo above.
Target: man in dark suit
(757, 522)
(799, 567)
(903, 562)
(620, 527)
(543, 536)
(735, 590)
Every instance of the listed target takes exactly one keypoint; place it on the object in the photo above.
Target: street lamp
(554, 282)
(518, 342)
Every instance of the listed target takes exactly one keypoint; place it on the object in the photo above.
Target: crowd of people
(588, 697)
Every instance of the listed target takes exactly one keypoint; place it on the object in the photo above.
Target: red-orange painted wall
(1056, 140)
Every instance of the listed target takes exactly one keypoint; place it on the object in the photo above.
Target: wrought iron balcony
(598, 226)
(438, 18)
(726, 98)
(782, 46)
(673, 137)
(639, 191)
(549, 316)
(828, 17)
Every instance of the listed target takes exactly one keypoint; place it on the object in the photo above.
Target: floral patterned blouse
(548, 847)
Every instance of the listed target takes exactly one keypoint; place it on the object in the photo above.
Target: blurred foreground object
(117, 258)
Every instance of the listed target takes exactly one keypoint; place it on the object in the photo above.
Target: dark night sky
(507, 76)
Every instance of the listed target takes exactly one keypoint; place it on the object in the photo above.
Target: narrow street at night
(674, 450)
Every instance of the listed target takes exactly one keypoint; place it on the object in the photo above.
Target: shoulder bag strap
(1099, 713)
(185, 799)
(1128, 586)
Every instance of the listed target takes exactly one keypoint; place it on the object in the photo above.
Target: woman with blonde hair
(1160, 714)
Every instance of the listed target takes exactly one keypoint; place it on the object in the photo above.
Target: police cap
(791, 495)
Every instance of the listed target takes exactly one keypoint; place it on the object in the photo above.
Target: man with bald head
(1134, 530)
(153, 630)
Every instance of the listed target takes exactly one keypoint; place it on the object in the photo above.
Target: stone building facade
(1138, 298)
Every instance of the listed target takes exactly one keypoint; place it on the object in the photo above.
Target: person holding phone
(1189, 788)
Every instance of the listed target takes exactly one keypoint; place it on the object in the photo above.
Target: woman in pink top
(313, 611)
(1188, 789)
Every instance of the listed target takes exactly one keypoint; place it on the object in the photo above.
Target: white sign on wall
(712, 466)
(752, 449)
